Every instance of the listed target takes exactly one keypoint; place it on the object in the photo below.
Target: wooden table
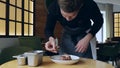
(47, 63)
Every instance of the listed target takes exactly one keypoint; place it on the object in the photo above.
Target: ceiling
(116, 2)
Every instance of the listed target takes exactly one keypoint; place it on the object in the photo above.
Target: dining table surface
(47, 63)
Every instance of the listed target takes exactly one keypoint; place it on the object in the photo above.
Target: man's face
(69, 16)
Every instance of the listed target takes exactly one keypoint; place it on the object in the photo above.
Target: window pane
(31, 30)
(119, 35)
(2, 27)
(119, 20)
(26, 16)
(18, 29)
(19, 14)
(2, 10)
(116, 20)
(119, 15)
(26, 4)
(26, 29)
(31, 18)
(31, 6)
(12, 2)
(11, 28)
(12, 13)
(116, 24)
(115, 29)
(19, 3)
(116, 15)
(116, 34)
(119, 30)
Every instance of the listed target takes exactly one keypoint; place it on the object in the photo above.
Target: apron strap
(93, 48)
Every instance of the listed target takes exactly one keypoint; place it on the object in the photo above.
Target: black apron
(69, 40)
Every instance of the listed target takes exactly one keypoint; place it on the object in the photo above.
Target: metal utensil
(56, 43)
(34, 57)
(21, 59)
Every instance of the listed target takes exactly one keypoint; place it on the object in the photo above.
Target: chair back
(33, 42)
(109, 51)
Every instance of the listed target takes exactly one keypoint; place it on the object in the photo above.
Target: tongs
(57, 44)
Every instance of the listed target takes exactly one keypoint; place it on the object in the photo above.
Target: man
(75, 16)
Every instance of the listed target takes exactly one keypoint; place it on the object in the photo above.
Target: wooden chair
(109, 53)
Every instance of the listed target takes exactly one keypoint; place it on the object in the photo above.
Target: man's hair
(70, 5)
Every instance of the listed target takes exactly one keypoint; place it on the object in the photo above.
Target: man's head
(70, 5)
(69, 8)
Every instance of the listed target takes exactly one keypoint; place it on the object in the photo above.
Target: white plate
(56, 59)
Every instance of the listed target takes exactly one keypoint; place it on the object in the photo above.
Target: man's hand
(51, 45)
(82, 45)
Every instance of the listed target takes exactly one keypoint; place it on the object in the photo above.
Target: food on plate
(65, 57)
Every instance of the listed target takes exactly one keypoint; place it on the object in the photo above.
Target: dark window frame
(114, 25)
(7, 19)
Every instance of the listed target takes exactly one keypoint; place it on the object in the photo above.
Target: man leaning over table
(75, 17)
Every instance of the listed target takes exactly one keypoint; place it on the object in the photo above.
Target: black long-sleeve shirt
(89, 11)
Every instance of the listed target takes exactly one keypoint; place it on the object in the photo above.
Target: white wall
(108, 9)
(117, 2)
(116, 8)
(101, 35)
